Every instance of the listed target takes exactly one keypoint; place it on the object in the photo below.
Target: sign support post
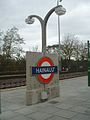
(88, 63)
(0, 100)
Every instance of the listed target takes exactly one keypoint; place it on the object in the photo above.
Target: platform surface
(73, 103)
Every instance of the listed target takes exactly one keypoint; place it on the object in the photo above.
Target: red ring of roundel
(43, 80)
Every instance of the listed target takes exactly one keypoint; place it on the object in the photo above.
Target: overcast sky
(75, 21)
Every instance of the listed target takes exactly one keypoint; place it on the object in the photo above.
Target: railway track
(17, 80)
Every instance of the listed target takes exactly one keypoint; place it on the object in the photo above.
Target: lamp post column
(58, 25)
(59, 46)
(43, 38)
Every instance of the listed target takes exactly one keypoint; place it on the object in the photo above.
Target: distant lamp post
(59, 10)
(62, 11)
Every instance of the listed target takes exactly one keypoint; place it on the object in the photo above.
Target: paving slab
(48, 109)
(81, 117)
(39, 116)
(7, 115)
(56, 118)
(78, 109)
(65, 113)
(25, 111)
(64, 106)
(20, 117)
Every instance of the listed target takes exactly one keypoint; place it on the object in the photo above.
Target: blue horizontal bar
(44, 70)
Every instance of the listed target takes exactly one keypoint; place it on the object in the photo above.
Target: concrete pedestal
(34, 87)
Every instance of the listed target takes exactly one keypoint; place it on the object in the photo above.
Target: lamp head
(29, 20)
(60, 10)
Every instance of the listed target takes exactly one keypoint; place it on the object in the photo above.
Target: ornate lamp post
(59, 10)
(59, 24)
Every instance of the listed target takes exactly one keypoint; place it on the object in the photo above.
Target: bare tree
(12, 43)
(1, 41)
(68, 43)
(83, 51)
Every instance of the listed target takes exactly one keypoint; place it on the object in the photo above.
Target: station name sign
(44, 70)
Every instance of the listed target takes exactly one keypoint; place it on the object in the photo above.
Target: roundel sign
(45, 70)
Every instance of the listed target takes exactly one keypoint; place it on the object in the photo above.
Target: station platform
(73, 103)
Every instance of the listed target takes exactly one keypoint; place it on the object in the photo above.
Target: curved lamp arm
(49, 13)
(44, 26)
(30, 18)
